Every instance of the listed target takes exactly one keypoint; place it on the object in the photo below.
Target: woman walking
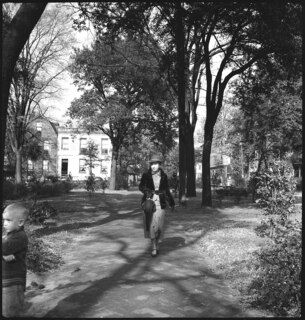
(154, 185)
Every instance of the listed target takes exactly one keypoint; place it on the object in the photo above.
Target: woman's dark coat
(147, 187)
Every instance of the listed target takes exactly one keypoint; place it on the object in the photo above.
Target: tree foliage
(41, 61)
(268, 99)
(221, 40)
(155, 26)
(91, 156)
(275, 190)
(277, 284)
(15, 35)
(122, 95)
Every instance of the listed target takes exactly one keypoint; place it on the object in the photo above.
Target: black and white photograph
(151, 159)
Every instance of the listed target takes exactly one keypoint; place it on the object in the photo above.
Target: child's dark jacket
(14, 272)
(147, 187)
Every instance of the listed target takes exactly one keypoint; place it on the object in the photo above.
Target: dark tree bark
(179, 39)
(206, 172)
(114, 160)
(18, 172)
(14, 39)
(193, 79)
(190, 163)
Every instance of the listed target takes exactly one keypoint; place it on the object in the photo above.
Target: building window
(297, 171)
(104, 169)
(38, 126)
(65, 143)
(104, 144)
(82, 166)
(64, 167)
(46, 145)
(30, 165)
(45, 165)
(83, 145)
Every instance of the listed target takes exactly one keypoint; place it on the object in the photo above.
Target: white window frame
(82, 166)
(30, 165)
(104, 150)
(104, 169)
(83, 144)
(39, 126)
(66, 145)
(45, 165)
(46, 145)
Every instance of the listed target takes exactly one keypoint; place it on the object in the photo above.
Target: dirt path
(108, 270)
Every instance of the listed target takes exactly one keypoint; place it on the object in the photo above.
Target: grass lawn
(231, 240)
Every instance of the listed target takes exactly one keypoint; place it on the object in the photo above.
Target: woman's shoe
(154, 253)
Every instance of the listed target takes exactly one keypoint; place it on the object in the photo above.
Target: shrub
(277, 286)
(78, 184)
(53, 178)
(90, 183)
(40, 212)
(49, 189)
(40, 256)
(121, 182)
(101, 183)
(275, 192)
(66, 185)
(13, 191)
(236, 193)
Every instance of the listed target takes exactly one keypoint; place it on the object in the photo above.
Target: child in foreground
(14, 249)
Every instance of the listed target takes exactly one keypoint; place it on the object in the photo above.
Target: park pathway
(108, 271)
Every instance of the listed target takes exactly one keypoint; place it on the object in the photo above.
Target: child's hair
(19, 209)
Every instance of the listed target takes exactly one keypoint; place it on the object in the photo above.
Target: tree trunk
(179, 39)
(206, 172)
(18, 170)
(16, 36)
(190, 163)
(114, 161)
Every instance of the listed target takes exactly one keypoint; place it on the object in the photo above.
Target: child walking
(14, 249)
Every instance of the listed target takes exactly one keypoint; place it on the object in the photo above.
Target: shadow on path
(125, 287)
(79, 304)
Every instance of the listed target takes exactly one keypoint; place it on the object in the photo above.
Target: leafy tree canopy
(123, 96)
(121, 89)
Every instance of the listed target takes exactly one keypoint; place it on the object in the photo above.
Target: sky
(68, 90)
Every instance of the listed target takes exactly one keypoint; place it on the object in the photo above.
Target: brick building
(46, 133)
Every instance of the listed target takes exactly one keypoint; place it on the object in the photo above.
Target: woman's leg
(160, 232)
(153, 244)
(157, 226)
(156, 231)
(154, 247)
